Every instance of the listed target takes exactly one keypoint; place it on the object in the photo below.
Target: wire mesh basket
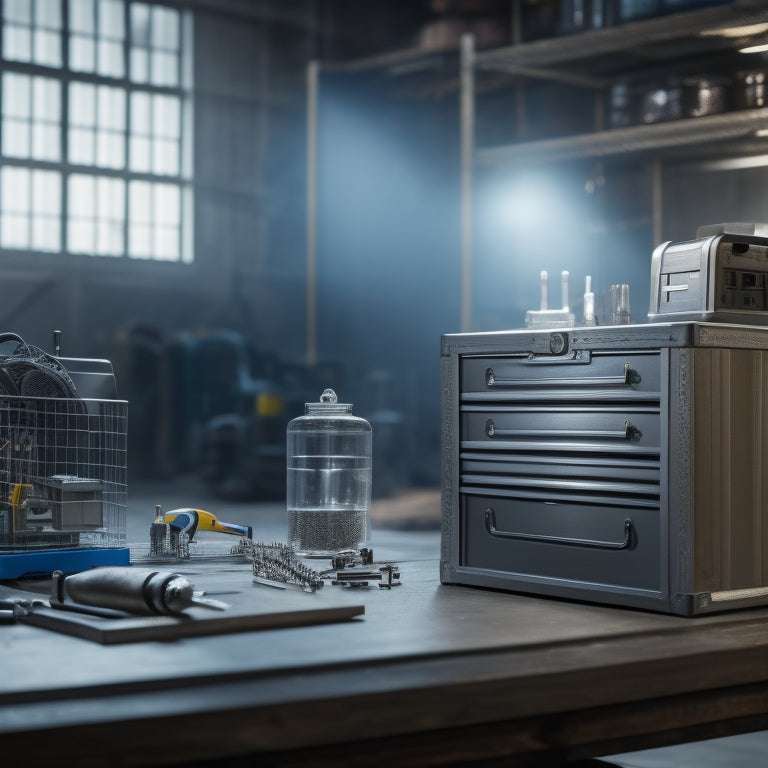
(63, 477)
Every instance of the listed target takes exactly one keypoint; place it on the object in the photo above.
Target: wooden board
(139, 628)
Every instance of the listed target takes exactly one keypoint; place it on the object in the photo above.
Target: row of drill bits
(276, 565)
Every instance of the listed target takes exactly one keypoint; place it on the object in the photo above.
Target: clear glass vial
(329, 456)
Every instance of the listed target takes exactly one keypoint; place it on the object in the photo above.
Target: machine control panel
(722, 275)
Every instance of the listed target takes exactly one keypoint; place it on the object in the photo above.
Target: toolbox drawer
(508, 377)
(572, 467)
(586, 544)
(559, 427)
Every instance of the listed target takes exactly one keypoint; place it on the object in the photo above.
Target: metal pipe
(656, 200)
(467, 132)
(313, 70)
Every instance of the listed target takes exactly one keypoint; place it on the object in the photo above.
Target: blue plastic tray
(28, 564)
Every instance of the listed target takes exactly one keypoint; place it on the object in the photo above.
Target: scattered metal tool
(356, 569)
(390, 576)
(14, 608)
(351, 557)
(387, 574)
(113, 590)
(354, 579)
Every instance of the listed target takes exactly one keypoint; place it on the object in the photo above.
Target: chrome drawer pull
(630, 376)
(630, 432)
(490, 525)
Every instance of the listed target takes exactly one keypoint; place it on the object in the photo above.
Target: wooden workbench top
(423, 659)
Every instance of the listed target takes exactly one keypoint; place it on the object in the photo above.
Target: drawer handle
(490, 525)
(630, 432)
(630, 376)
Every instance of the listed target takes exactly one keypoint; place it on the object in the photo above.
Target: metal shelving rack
(730, 126)
(591, 59)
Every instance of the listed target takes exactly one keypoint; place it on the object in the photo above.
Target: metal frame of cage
(63, 474)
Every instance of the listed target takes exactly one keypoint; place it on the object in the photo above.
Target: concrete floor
(747, 751)
(418, 512)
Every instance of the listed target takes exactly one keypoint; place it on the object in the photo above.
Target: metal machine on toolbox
(722, 275)
(62, 463)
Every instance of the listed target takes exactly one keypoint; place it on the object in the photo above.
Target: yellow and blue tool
(189, 520)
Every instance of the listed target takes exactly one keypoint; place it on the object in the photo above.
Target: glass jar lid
(328, 404)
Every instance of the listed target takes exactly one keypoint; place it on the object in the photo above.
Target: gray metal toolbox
(619, 465)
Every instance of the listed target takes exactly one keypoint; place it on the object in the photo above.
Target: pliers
(12, 608)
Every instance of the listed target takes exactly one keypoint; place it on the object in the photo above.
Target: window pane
(139, 241)
(47, 48)
(111, 19)
(46, 193)
(166, 116)
(140, 24)
(110, 150)
(82, 146)
(82, 104)
(139, 65)
(81, 16)
(140, 113)
(164, 68)
(14, 202)
(166, 204)
(140, 155)
(18, 10)
(82, 54)
(140, 202)
(46, 142)
(16, 95)
(110, 59)
(17, 43)
(165, 28)
(81, 191)
(15, 183)
(109, 238)
(48, 13)
(80, 236)
(46, 101)
(111, 197)
(15, 138)
(111, 108)
(46, 234)
(14, 231)
(165, 157)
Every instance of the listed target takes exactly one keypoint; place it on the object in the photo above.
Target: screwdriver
(142, 591)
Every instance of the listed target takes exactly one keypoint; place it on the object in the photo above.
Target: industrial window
(96, 134)
(97, 37)
(96, 214)
(31, 208)
(95, 127)
(31, 117)
(32, 31)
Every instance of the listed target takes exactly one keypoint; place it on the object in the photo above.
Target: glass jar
(329, 464)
